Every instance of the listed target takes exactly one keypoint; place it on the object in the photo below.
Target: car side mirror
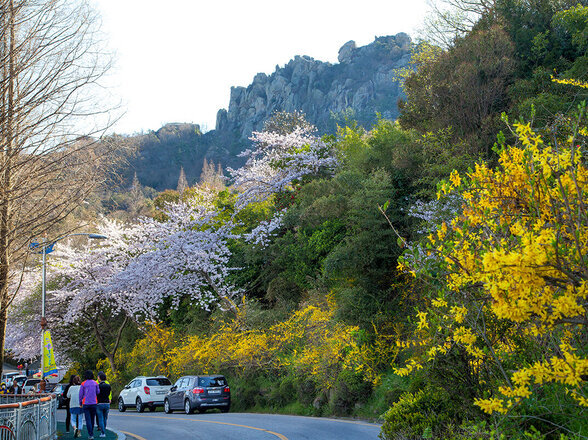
(173, 388)
(127, 387)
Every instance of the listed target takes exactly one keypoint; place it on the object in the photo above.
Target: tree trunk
(110, 354)
(6, 148)
(3, 319)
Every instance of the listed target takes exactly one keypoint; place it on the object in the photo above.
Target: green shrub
(384, 395)
(307, 391)
(349, 390)
(427, 410)
(282, 393)
(250, 391)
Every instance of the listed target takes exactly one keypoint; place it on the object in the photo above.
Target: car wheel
(166, 407)
(121, 405)
(188, 407)
(225, 409)
(139, 405)
(152, 408)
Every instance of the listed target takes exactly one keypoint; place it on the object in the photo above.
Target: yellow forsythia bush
(516, 255)
(309, 343)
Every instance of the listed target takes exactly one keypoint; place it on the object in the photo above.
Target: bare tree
(51, 66)
(451, 19)
(212, 176)
(182, 181)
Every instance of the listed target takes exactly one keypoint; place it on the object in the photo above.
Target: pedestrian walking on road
(89, 401)
(73, 394)
(104, 397)
(66, 402)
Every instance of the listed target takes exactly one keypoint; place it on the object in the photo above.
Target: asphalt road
(237, 426)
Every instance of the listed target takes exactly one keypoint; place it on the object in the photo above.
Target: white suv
(144, 392)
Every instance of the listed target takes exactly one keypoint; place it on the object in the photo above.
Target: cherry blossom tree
(279, 159)
(23, 333)
(185, 256)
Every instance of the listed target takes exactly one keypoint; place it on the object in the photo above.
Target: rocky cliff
(361, 84)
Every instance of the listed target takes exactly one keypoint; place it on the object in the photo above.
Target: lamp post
(44, 248)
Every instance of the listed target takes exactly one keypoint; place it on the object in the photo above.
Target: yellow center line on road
(138, 437)
(277, 434)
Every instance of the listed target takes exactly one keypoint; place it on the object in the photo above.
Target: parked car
(20, 380)
(30, 385)
(57, 389)
(144, 392)
(200, 393)
(8, 377)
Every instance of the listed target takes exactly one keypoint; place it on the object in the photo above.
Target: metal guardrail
(28, 416)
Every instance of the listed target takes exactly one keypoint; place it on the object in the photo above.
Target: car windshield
(33, 381)
(212, 381)
(158, 381)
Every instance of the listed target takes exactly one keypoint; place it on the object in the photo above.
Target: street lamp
(44, 248)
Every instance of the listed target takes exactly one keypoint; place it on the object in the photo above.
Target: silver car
(31, 386)
(200, 393)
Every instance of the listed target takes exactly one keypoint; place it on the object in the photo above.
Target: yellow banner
(49, 366)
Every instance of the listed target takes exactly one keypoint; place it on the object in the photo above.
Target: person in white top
(74, 406)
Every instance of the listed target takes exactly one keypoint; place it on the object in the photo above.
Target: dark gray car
(200, 393)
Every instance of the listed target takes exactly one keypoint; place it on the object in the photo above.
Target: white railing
(28, 416)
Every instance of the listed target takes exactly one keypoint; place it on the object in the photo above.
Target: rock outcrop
(362, 84)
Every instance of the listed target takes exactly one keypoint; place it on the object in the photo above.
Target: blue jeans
(103, 409)
(90, 413)
(76, 417)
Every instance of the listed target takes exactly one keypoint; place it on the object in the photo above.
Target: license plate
(214, 391)
(161, 392)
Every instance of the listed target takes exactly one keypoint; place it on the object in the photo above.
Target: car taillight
(198, 390)
(147, 390)
(227, 390)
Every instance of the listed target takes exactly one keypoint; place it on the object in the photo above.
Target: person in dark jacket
(66, 401)
(103, 402)
(16, 388)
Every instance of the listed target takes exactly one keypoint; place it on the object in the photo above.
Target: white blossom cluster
(433, 213)
(278, 160)
(186, 257)
(90, 272)
(260, 235)
(139, 267)
(23, 330)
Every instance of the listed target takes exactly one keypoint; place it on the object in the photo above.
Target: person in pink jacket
(89, 401)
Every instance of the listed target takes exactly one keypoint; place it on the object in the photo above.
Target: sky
(176, 60)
